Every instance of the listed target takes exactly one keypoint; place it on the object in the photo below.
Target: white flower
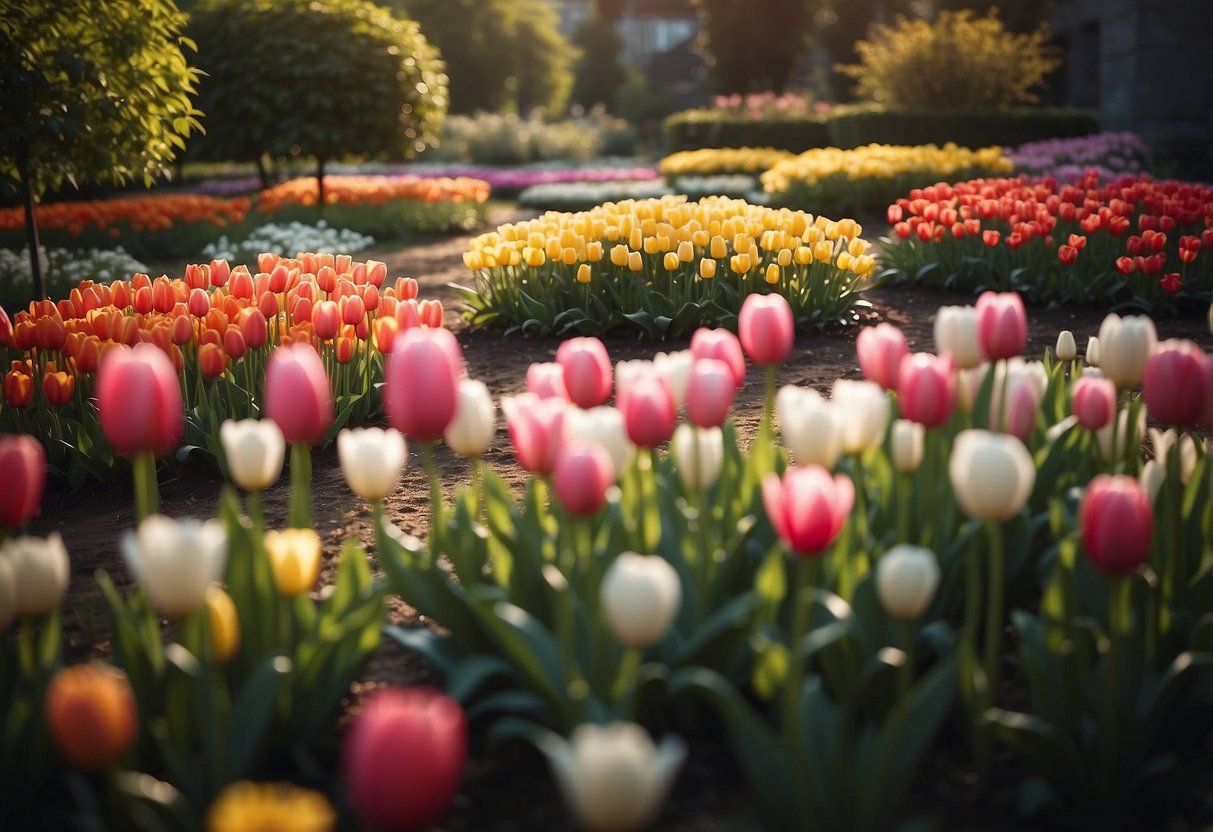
(1164, 440)
(613, 778)
(1092, 354)
(254, 449)
(38, 571)
(1125, 345)
(992, 474)
(1066, 349)
(603, 426)
(1152, 476)
(641, 595)
(175, 560)
(698, 455)
(906, 580)
(906, 441)
(675, 369)
(472, 430)
(810, 427)
(372, 460)
(1125, 444)
(956, 333)
(862, 408)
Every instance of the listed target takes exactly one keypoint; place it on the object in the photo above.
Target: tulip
(581, 477)
(326, 319)
(1092, 352)
(808, 507)
(674, 369)
(295, 559)
(862, 410)
(640, 596)
(906, 580)
(139, 401)
(1002, 324)
(18, 389)
(709, 393)
(586, 370)
(956, 334)
(536, 429)
(254, 450)
(471, 432)
(546, 380)
(1094, 401)
(602, 426)
(224, 624)
(91, 713)
(176, 560)
(39, 571)
(766, 328)
(24, 465)
(809, 426)
(1125, 346)
(881, 350)
(1117, 524)
(273, 805)
(1164, 441)
(992, 474)
(372, 460)
(416, 736)
(926, 388)
(1023, 383)
(613, 778)
(721, 344)
(1153, 475)
(1125, 444)
(421, 389)
(1175, 386)
(906, 441)
(1066, 349)
(648, 411)
(699, 456)
(297, 394)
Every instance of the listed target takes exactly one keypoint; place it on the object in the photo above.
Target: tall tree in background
(599, 73)
(752, 47)
(839, 24)
(90, 95)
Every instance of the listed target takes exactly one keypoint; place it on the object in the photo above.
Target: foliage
(354, 80)
(721, 128)
(956, 62)
(598, 73)
(839, 24)
(749, 52)
(501, 55)
(508, 139)
(857, 125)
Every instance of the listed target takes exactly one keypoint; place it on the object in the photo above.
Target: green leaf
(252, 713)
(1045, 749)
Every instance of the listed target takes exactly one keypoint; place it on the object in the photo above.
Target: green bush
(695, 129)
(855, 126)
(508, 139)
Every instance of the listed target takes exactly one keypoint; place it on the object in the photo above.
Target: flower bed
(868, 178)
(1109, 155)
(1130, 242)
(582, 196)
(62, 269)
(663, 266)
(283, 239)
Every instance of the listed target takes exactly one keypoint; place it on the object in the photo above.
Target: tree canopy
(752, 48)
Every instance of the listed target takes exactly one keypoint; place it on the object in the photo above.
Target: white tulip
(1152, 476)
(1125, 345)
(862, 409)
(956, 333)
(613, 777)
(176, 560)
(992, 474)
(1092, 354)
(699, 455)
(38, 573)
(968, 382)
(603, 426)
(907, 440)
(628, 371)
(675, 368)
(372, 460)
(1067, 348)
(906, 580)
(1125, 445)
(474, 427)
(254, 449)
(810, 426)
(640, 595)
(8, 593)
(1163, 442)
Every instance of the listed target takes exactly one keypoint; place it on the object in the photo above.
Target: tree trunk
(262, 173)
(320, 162)
(31, 221)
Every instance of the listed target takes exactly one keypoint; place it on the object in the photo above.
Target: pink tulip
(1002, 325)
(1094, 401)
(199, 303)
(139, 400)
(23, 463)
(1117, 524)
(767, 328)
(1175, 383)
(546, 380)
(723, 345)
(808, 507)
(326, 319)
(1206, 417)
(710, 392)
(926, 388)
(421, 389)
(582, 475)
(297, 394)
(648, 411)
(536, 430)
(1019, 416)
(881, 349)
(403, 758)
(587, 371)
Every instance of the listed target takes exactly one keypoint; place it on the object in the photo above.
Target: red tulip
(1117, 524)
(881, 349)
(211, 360)
(254, 327)
(926, 388)
(233, 343)
(766, 328)
(536, 430)
(353, 310)
(297, 394)
(421, 390)
(648, 411)
(139, 400)
(1174, 385)
(723, 345)
(220, 273)
(808, 507)
(403, 758)
(586, 370)
(24, 465)
(1002, 324)
(582, 475)
(1094, 401)
(710, 392)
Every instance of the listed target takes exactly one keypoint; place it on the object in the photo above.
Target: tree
(750, 47)
(500, 54)
(90, 94)
(598, 74)
(322, 78)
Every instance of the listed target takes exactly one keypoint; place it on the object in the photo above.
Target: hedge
(696, 129)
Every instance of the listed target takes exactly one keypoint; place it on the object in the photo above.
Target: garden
(386, 445)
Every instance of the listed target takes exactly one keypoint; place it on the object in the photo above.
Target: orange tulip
(90, 710)
(51, 332)
(385, 329)
(18, 389)
(233, 343)
(212, 360)
(57, 386)
(89, 357)
(345, 349)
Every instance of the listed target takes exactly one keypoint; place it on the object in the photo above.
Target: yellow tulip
(224, 623)
(707, 268)
(773, 273)
(295, 557)
(583, 273)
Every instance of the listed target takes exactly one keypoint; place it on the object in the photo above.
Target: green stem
(903, 508)
(256, 513)
(802, 602)
(625, 681)
(1172, 585)
(147, 494)
(478, 486)
(706, 550)
(301, 486)
(994, 611)
(768, 404)
(1120, 623)
(972, 598)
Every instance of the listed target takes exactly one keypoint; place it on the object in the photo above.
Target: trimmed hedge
(696, 129)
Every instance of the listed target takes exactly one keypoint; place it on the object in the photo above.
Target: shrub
(695, 129)
(854, 126)
(957, 62)
(508, 139)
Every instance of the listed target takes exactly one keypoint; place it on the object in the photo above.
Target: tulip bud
(862, 409)
(176, 560)
(298, 396)
(807, 507)
(39, 571)
(1175, 386)
(602, 426)
(710, 392)
(295, 559)
(1091, 356)
(1066, 349)
(1002, 324)
(881, 350)
(471, 432)
(582, 475)
(721, 344)
(586, 369)
(926, 388)
(139, 400)
(1126, 445)
(1117, 524)
(91, 713)
(224, 624)
(766, 328)
(546, 380)
(1094, 401)
(1153, 475)
(536, 429)
(372, 460)
(810, 426)
(699, 456)
(648, 411)
(421, 389)
(640, 596)
(1125, 346)
(956, 335)
(906, 441)
(906, 580)
(674, 370)
(992, 474)
(24, 465)
(254, 450)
